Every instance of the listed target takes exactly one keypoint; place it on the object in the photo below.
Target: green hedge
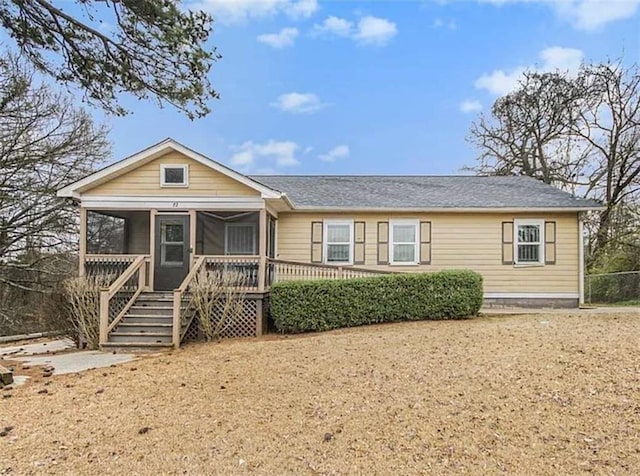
(302, 306)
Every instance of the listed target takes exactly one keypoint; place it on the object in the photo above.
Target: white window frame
(416, 243)
(185, 169)
(325, 243)
(517, 223)
(240, 225)
(164, 243)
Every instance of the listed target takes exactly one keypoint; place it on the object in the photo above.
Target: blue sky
(382, 87)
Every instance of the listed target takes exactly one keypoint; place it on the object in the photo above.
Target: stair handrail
(177, 300)
(106, 294)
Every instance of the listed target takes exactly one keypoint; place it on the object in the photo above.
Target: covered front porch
(172, 243)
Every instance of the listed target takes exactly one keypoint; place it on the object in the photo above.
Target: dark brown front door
(172, 251)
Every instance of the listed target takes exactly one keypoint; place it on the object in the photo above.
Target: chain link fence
(612, 288)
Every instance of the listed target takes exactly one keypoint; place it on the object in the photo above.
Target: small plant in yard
(82, 296)
(218, 298)
(302, 306)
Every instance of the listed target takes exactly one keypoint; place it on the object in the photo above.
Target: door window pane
(172, 242)
(172, 254)
(173, 232)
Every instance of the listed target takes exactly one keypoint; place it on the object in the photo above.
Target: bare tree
(45, 143)
(580, 133)
(609, 125)
(528, 132)
(149, 48)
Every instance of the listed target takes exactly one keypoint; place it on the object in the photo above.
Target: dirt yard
(532, 394)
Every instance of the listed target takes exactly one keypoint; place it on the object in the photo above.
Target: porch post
(262, 250)
(152, 245)
(82, 249)
(193, 217)
(581, 260)
(104, 316)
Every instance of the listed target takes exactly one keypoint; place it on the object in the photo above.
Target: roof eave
(449, 209)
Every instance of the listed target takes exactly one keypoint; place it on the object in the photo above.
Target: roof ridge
(392, 175)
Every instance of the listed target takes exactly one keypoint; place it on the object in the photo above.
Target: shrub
(218, 300)
(82, 295)
(300, 306)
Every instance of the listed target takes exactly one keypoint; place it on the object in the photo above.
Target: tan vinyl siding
(145, 180)
(458, 240)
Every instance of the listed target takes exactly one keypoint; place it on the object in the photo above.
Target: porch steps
(147, 326)
(126, 347)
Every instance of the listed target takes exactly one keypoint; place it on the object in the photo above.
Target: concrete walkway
(45, 347)
(77, 361)
(61, 356)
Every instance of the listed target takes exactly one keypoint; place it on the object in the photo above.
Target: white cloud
(563, 59)
(302, 8)
(370, 30)
(441, 23)
(555, 58)
(299, 103)
(585, 14)
(470, 105)
(235, 11)
(375, 31)
(278, 153)
(282, 39)
(335, 26)
(498, 82)
(338, 152)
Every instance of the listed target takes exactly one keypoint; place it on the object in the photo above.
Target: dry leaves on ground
(536, 394)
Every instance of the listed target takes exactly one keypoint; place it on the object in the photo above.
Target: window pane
(404, 234)
(404, 253)
(174, 175)
(172, 254)
(172, 232)
(338, 233)
(528, 253)
(338, 253)
(240, 240)
(528, 234)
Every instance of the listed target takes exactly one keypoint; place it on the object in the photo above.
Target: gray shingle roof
(420, 192)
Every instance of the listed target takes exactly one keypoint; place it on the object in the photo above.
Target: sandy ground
(528, 394)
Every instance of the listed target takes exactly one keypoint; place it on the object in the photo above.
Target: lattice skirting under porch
(251, 323)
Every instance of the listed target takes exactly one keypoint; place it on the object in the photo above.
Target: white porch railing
(282, 270)
(105, 265)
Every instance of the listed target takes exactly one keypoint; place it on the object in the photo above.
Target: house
(175, 211)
